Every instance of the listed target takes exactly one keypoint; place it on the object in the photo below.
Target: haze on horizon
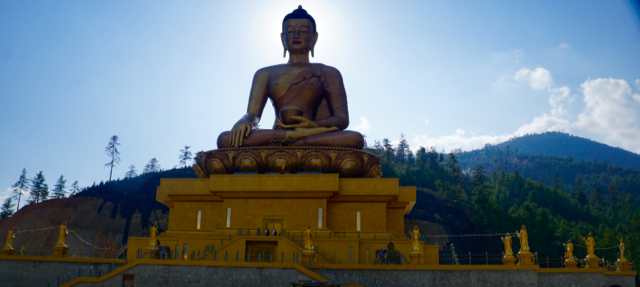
(162, 75)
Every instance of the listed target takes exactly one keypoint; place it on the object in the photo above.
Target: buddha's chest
(306, 89)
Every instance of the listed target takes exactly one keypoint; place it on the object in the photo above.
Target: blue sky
(449, 74)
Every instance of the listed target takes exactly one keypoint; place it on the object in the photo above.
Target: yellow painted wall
(395, 220)
(183, 215)
(248, 212)
(342, 216)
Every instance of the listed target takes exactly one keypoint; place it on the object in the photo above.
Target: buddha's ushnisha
(309, 100)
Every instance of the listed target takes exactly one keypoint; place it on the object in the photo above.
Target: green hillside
(566, 145)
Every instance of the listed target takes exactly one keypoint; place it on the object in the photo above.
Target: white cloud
(426, 121)
(363, 126)
(538, 79)
(457, 140)
(612, 110)
(544, 123)
(557, 98)
(563, 46)
(5, 194)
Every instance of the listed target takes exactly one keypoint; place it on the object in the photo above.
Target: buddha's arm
(336, 99)
(257, 101)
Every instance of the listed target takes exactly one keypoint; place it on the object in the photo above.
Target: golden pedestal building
(226, 216)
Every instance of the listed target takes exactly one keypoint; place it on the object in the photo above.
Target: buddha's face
(298, 36)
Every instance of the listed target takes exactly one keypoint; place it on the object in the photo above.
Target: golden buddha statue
(524, 238)
(415, 238)
(153, 236)
(62, 235)
(309, 99)
(591, 244)
(10, 237)
(568, 249)
(308, 236)
(508, 251)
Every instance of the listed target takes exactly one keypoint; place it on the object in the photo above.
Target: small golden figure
(415, 238)
(569, 261)
(622, 264)
(63, 233)
(591, 244)
(10, 237)
(308, 235)
(621, 247)
(507, 245)
(8, 249)
(568, 247)
(524, 238)
(153, 234)
(591, 260)
(61, 249)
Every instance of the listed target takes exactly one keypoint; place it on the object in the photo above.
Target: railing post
(487, 255)
(469, 258)
(547, 261)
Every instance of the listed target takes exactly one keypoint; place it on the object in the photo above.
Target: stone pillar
(525, 257)
(415, 257)
(623, 265)
(307, 255)
(8, 250)
(592, 261)
(508, 260)
(60, 250)
(570, 263)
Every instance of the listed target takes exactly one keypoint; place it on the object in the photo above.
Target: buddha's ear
(283, 45)
(315, 40)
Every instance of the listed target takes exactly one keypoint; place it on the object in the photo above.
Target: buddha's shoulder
(286, 67)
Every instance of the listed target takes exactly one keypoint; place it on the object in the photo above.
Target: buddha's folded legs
(345, 139)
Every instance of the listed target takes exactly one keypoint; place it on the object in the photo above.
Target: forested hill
(566, 145)
(582, 174)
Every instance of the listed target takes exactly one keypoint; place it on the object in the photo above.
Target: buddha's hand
(302, 123)
(239, 131)
(300, 133)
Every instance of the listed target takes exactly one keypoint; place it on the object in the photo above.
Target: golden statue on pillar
(507, 258)
(622, 264)
(308, 235)
(61, 249)
(570, 261)
(308, 252)
(525, 256)
(153, 236)
(415, 238)
(8, 249)
(310, 104)
(416, 253)
(591, 259)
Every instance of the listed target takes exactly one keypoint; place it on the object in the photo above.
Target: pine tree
(7, 208)
(131, 173)
(478, 175)
(39, 189)
(74, 188)
(615, 201)
(185, 155)
(578, 192)
(402, 149)
(152, 166)
(112, 151)
(59, 188)
(20, 187)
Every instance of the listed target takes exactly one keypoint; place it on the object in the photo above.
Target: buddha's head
(299, 34)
